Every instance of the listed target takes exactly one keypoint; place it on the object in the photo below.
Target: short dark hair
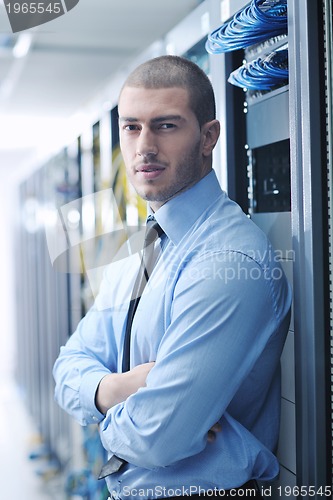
(174, 71)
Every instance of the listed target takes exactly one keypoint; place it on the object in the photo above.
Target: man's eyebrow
(165, 118)
(127, 119)
(158, 119)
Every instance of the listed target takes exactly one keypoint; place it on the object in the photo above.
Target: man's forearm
(117, 387)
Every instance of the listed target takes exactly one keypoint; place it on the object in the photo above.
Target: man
(199, 409)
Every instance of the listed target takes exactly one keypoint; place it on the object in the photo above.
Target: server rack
(328, 44)
(43, 316)
(311, 163)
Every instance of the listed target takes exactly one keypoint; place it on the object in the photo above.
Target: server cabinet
(42, 309)
(310, 48)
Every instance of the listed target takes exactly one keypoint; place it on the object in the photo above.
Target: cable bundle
(262, 74)
(260, 20)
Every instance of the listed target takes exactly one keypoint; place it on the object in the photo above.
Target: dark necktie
(148, 260)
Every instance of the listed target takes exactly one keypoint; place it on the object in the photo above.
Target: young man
(199, 408)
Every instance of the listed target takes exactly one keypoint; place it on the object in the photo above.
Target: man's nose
(146, 145)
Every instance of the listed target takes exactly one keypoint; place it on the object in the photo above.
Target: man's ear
(210, 133)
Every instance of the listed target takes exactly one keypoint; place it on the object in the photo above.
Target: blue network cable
(260, 20)
(263, 73)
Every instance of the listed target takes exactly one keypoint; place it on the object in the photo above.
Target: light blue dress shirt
(214, 317)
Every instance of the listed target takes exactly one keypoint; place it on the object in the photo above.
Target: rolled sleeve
(89, 355)
(87, 393)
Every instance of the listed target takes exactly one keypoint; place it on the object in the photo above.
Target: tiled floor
(18, 478)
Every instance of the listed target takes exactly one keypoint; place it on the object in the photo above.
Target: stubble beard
(190, 172)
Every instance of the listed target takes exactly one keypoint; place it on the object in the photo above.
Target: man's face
(161, 142)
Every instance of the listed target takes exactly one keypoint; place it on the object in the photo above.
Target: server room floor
(18, 474)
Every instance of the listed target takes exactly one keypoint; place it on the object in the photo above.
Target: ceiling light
(22, 46)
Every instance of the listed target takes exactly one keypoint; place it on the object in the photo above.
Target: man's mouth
(150, 171)
(149, 168)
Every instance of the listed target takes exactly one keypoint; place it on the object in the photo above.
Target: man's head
(173, 71)
(168, 128)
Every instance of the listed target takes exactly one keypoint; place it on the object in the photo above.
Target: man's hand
(117, 387)
(213, 431)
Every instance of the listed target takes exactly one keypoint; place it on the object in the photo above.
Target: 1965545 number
(34, 8)
(303, 491)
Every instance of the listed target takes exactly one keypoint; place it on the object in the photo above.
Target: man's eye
(130, 128)
(165, 126)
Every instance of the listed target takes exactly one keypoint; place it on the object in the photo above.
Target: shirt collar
(179, 214)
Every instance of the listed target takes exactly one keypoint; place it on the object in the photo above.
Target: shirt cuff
(87, 392)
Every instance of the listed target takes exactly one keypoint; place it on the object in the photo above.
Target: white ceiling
(70, 59)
